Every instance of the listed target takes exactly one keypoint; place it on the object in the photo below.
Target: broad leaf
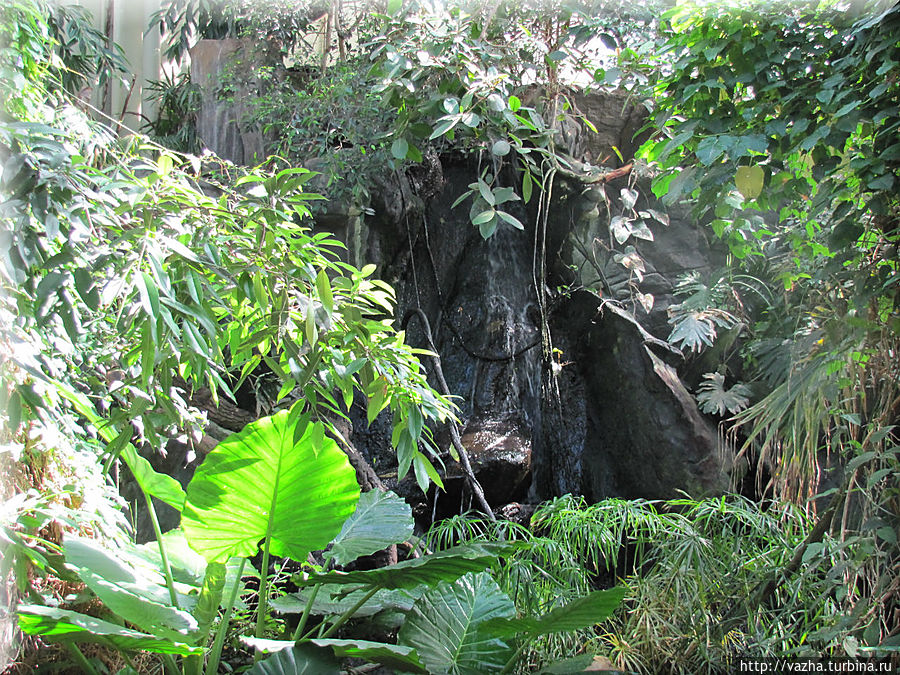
(444, 626)
(60, 625)
(399, 148)
(397, 657)
(335, 600)
(714, 398)
(697, 328)
(381, 519)
(302, 659)
(620, 228)
(261, 483)
(575, 664)
(580, 613)
(749, 181)
(188, 567)
(629, 197)
(441, 566)
(128, 586)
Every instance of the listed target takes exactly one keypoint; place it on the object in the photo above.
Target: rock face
(619, 422)
(568, 397)
(601, 414)
(221, 125)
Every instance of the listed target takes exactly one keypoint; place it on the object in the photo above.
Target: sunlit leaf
(260, 483)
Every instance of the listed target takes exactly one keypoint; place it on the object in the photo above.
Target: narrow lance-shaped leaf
(210, 597)
(159, 485)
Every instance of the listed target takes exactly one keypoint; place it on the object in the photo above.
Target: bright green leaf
(260, 483)
(444, 626)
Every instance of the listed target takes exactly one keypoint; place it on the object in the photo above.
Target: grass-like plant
(693, 570)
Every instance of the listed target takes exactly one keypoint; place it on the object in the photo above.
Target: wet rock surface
(634, 431)
(564, 398)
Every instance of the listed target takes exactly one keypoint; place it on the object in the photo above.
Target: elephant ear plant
(280, 485)
(283, 488)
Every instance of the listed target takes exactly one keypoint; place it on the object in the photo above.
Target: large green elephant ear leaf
(381, 519)
(444, 626)
(261, 482)
(303, 659)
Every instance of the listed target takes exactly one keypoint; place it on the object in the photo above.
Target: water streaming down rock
(603, 415)
(222, 124)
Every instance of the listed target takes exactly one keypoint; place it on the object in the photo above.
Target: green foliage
(396, 657)
(140, 286)
(178, 101)
(65, 626)
(714, 398)
(445, 565)
(444, 626)
(133, 289)
(282, 22)
(782, 126)
(129, 587)
(801, 125)
(380, 519)
(281, 480)
(583, 612)
(88, 59)
(298, 660)
(690, 570)
(334, 120)
(697, 319)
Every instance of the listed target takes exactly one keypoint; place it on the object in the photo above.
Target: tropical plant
(699, 575)
(178, 101)
(133, 294)
(697, 319)
(713, 397)
(794, 164)
(281, 486)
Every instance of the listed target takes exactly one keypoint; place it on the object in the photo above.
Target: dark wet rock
(517, 513)
(587, 408)
(639, 432)
(604, 416)
(579, 234)
(500, 452)
(616, 116)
